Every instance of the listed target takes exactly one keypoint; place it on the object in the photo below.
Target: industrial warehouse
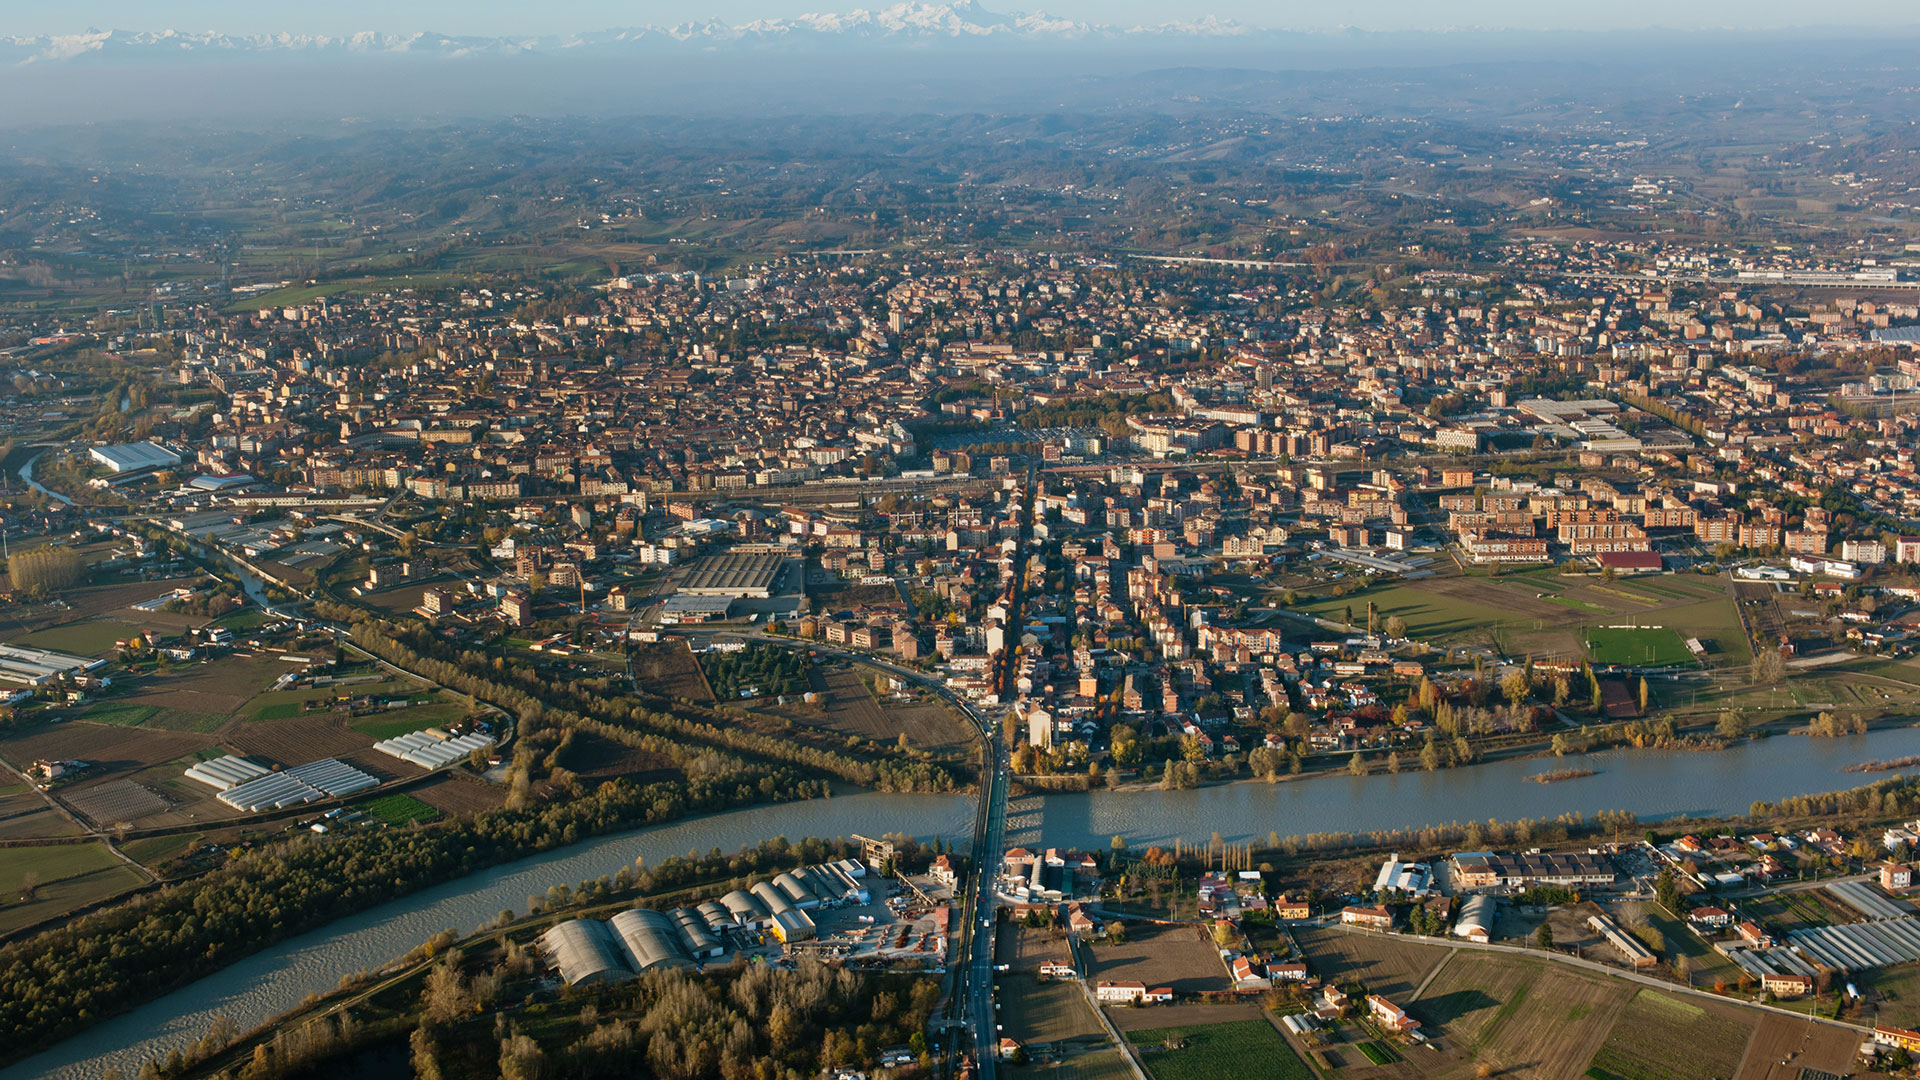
(755, 574)
(777, 916)
(134, 457)
(36, 667)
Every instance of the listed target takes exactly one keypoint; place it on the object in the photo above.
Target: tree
(521, 1059)
(1516, 686)
(1646, 695)
(46, 570)
(1430, 755)
(1357, 765)
(1396, 626)
(1666, 890)
(1731, 725)
(1768, 667)
(1544, 935)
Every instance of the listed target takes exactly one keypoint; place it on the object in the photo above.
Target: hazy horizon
(559, 17)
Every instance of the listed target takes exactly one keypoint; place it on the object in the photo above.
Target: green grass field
(397, 722)
(1662, 1037)
(90, 638)
(244, 620)
(400, 809)
(1648, 646)
(68, 876)
(1249, 1049)
(1427, 615)
(120, 714)
(157, 849)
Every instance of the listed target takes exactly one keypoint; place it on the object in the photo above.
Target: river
(1654, 784)
(26, 473)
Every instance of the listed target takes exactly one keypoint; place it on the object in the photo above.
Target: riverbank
(1695, 740)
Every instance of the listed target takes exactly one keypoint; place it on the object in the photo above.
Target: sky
(521, 17)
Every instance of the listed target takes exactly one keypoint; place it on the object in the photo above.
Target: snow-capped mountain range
(903, 24)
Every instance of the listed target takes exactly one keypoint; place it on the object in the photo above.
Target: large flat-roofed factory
(755, 574)
(135, 457)
(35, 667)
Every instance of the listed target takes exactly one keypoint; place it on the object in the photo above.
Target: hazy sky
(563, 16)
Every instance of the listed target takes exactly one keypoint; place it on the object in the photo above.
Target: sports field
(1641, 647)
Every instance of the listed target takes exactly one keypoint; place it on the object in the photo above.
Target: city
(1134, 588)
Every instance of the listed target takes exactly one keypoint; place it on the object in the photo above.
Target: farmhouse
(1373, 918)
(1900, 1037)
(1131, 993)
(1786, 985)
(1390, 1016)
(1287, 907)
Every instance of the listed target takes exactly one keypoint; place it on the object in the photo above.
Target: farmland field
(1656, 647)
(453, 793)
(1099, 1065)
(1663, 1037)
(1240, 1048)
(1047, 1012)
(68, 877)
(667, 667)
(137, 713)
(1782, 1047)
(113, 746)
(1386, 965)
(296, 742)
(1526, 1017)
(1181, 957)
(27, 814)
